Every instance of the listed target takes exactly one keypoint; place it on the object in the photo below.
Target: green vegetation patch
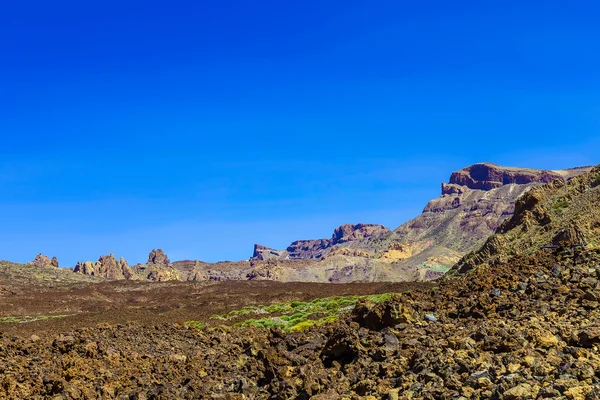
(436, 268)
(24, 319)
(299, 315)
(560, 203)
(196, 324)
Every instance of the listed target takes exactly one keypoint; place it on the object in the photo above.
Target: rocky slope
(525, 329)
(522, 322)
(475, 202)
(554, 214)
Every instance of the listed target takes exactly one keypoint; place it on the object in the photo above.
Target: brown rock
(589, 337)
(106, 267)
(264, 253)
(349, 232)
(158, 257)
(486, 176)
(42, 261)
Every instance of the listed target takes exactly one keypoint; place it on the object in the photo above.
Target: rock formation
(157, 269)
(264, 253)
(106, 267)
(473, 205)
(486, 176)
(43, 261)
(478, 201)
(317, 248)
(158, 257)
(555, 214)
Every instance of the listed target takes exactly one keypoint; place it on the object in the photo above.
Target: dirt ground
(119, 302)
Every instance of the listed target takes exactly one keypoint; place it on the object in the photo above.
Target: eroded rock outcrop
(106, 267)
(486, 176)
(349, 232)
(317, 248)
(158, 257)
(157, 269)
(264, 253)
(43, 261)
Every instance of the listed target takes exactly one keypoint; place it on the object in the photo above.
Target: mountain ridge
(474, 203)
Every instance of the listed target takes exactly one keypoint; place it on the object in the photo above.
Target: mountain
(556, 214)
(472, 206)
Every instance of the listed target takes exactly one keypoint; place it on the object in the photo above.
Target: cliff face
(316, 249)
(264, 253)
(485, 176)
(473, 205)
(555, 214)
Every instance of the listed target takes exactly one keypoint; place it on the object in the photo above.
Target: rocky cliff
(474, 203)
(556, 214)
(486, 176)
(316, 249)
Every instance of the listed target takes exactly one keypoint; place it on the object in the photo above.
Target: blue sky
(204, 127)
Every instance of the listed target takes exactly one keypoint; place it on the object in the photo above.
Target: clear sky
(204, 127)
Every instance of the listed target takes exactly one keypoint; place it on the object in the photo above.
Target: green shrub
(196, 324)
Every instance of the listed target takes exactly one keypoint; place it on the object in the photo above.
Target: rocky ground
(528, 328)
(512, 321)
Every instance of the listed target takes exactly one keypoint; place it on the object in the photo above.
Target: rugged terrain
(525, 329)
(521, 322)
(475, 202)
(544, 217)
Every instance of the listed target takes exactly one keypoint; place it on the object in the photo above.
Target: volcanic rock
(349, 232)
(317, 248)
(264, 253)
(106, 267)
(486, 176)
(555, 214)
(43, 261)
(158, 257)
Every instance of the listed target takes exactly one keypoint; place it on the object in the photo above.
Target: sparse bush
(560, 203)
(196, 324)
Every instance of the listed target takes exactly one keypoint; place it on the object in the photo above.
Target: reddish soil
(146, 303)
